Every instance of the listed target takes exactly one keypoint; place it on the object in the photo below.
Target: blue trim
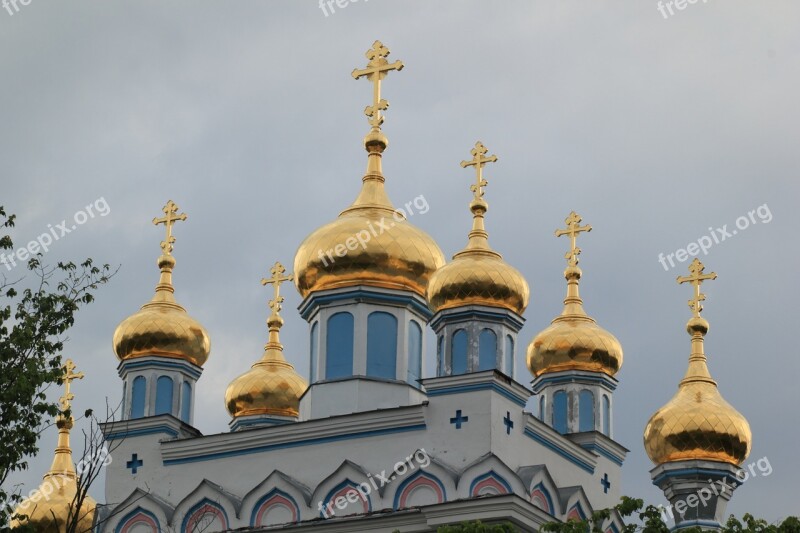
(605, 453)
(270, 494)
(306, 442)
(407, 482)
(685, 471)
(490, 474)
(346, 483)
(197, 506)
(133, 513)
(137, 363)
(508, 317)
(579, 508)
(458, 389)
(552, 510)
(264, 422)
(560, 451)
(601, 378)
(613, 527)
(144, 431)
(315, 301)
(708, 523)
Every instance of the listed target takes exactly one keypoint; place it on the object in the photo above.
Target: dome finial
(169, 219)
(164, 289)
(697, 326)
(275, 322)
(573, 304)
(478, 237)
(62, 461)
(376, 70)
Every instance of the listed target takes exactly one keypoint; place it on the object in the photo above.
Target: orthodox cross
(478, 161)
(573, 229)
(277, 278)
(696, 279)
(376, 70)
(169, 219)
(69, 376)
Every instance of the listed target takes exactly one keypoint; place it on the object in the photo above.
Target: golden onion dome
(162, 327)
(478, 275)
(271, 386)
(697, 423)
(48, 509)
(371, 243)
(574, 341)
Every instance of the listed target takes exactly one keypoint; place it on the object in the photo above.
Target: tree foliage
(36, 311)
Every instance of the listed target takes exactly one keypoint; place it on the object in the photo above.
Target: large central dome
(370, 243)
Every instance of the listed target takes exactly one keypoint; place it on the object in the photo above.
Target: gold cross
(573, 229)
(277, 278)
(69, 376)
(696, 279)
(377, 69)
(171, 216)
(478, 160)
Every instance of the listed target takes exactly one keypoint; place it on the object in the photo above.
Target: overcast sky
(245, 114)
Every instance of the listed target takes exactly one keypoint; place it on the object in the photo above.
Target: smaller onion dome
(697, 423)
(478, 275)
(48, 509)
(271, 386)
(574, 341)
(162, 327)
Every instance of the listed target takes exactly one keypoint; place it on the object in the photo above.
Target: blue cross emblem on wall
(134, 463)
(606, 483)
(458, 419)
(508, 422)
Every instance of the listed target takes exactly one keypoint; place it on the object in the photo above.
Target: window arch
(606, 415)
(414, 353)
(382, 345)
(138, 394)
(560, 411)
(459, 349)
(186, 401)
(339, 346)
(164, 390)
(487, 350)
(312, 370)
(586, 411)
(509, 368)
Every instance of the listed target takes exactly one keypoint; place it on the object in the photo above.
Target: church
(366, 442)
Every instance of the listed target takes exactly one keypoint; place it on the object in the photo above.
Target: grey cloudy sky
(246, 115)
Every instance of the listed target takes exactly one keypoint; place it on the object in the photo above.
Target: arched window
(414, 353)
(440, 355)
(560, 412)
(606, 415)
(586, 411)
(163, 395)
(382, 345)
(509, 356)
(138, 394)
(541, 408)
(487, 350)
(314, 352)
(186, 401)
(339, 346)
(459, 352)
